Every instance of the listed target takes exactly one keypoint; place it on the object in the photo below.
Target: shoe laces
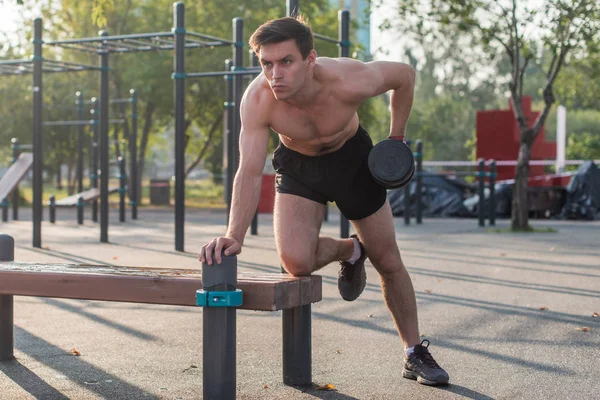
(425, 356)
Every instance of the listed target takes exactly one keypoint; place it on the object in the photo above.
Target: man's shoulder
(340, 67)
(258, 100)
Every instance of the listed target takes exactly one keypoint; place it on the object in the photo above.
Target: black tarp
(583, 194)
(441, 196)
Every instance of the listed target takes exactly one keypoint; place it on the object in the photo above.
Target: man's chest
(318, 121)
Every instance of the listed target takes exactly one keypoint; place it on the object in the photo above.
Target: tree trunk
(520, 203)
(148, 115)
(59, 185)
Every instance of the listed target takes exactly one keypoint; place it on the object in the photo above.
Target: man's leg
(377, 234)
(297, 222)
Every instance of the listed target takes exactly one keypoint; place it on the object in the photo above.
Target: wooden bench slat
(15, 173)
(150, 285)
(86, 195)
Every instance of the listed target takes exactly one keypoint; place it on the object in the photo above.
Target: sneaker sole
(411, 375)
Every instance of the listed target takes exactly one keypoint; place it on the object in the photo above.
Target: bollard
(344, 227)
(4, 205)
(419, 184)
(52, 209)
(80, 208)
(481, 187)
(7, 253)
(219, 297)
(326, 215)
(122, 188)
(492, 206)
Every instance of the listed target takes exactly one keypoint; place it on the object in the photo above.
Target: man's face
(284, 67)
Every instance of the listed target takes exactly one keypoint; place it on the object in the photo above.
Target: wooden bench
(10, 181)
(261, 291)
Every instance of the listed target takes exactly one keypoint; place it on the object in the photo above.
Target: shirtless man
(322, 156)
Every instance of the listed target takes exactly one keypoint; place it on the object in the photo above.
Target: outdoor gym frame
(178, 39)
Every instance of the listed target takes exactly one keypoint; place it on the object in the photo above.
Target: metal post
(292, 8)
(419, 184)
(4, 204)
(52, 209)
(344, 51)
(297, 347)
(133, 170)
(219, 333)
(95, 148)
(104, 143)
(7, 253)
(38, 161)
(122, 188)
(238, 63)
(406, 190)
(80, 128)
(179, 93)
(254, 226)
(481, 187)
(228, 139)
(14, 143)
(492, 202)
(80, 209)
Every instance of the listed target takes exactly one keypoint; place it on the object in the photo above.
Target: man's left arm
(378, 77)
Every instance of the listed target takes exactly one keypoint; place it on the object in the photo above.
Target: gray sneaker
(422, 367)
(352, 278)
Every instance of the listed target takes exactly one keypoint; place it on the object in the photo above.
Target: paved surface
(502, 312)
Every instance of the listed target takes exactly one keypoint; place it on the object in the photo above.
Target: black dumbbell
(392, 163)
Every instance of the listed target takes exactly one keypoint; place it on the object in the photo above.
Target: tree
(517, 30)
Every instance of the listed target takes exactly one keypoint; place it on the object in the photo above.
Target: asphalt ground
(509, 316)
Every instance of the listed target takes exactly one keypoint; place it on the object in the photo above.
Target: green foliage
(583, 146)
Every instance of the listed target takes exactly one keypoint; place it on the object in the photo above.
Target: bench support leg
(297, 347)
(218, 353)
(7, 253)
(6, 327)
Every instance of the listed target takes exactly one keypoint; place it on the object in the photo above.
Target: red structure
(498, 138)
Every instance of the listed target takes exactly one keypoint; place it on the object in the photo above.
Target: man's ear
(311, 58)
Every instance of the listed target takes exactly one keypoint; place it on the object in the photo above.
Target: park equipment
(10, 182)
(261, 291)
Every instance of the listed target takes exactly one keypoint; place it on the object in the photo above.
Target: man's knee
(297, 264)
(387, 265)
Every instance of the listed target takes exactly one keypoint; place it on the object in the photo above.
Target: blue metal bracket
(231, 298)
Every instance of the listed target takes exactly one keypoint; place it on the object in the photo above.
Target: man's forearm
(400, 105)
(244, 202)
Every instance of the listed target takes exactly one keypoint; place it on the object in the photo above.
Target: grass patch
(531, 229)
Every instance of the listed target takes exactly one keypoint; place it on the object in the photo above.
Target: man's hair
(281, 30)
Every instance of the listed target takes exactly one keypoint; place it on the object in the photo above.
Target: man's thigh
(297, 223)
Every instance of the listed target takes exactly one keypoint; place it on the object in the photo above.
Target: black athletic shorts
(342, 177)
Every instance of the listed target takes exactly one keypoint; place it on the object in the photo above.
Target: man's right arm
(254, 140)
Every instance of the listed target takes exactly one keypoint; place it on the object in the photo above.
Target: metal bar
(38, 163)
(419, 184)
(481, 187)
(52, 208)
(70, 64)
(7, 253)
(78, 47)
(69, 123)
(15, 62)
(109, 38)
(122, 189)
(228, 147)
(4, 205)
(326, 38)
(254, 226)
(117, 121)
(79, 103)
(245, 71)
(492, 202)
(203, 36)
(179, 93)
(344, 51)
(95, 154)
(238, 88)
(104, 143)
(16, 148)
(133, 171)
(219, 333)
(297, 346)
(292, 8)
(80, 208)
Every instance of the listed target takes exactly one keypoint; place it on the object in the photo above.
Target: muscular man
(322, 156)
